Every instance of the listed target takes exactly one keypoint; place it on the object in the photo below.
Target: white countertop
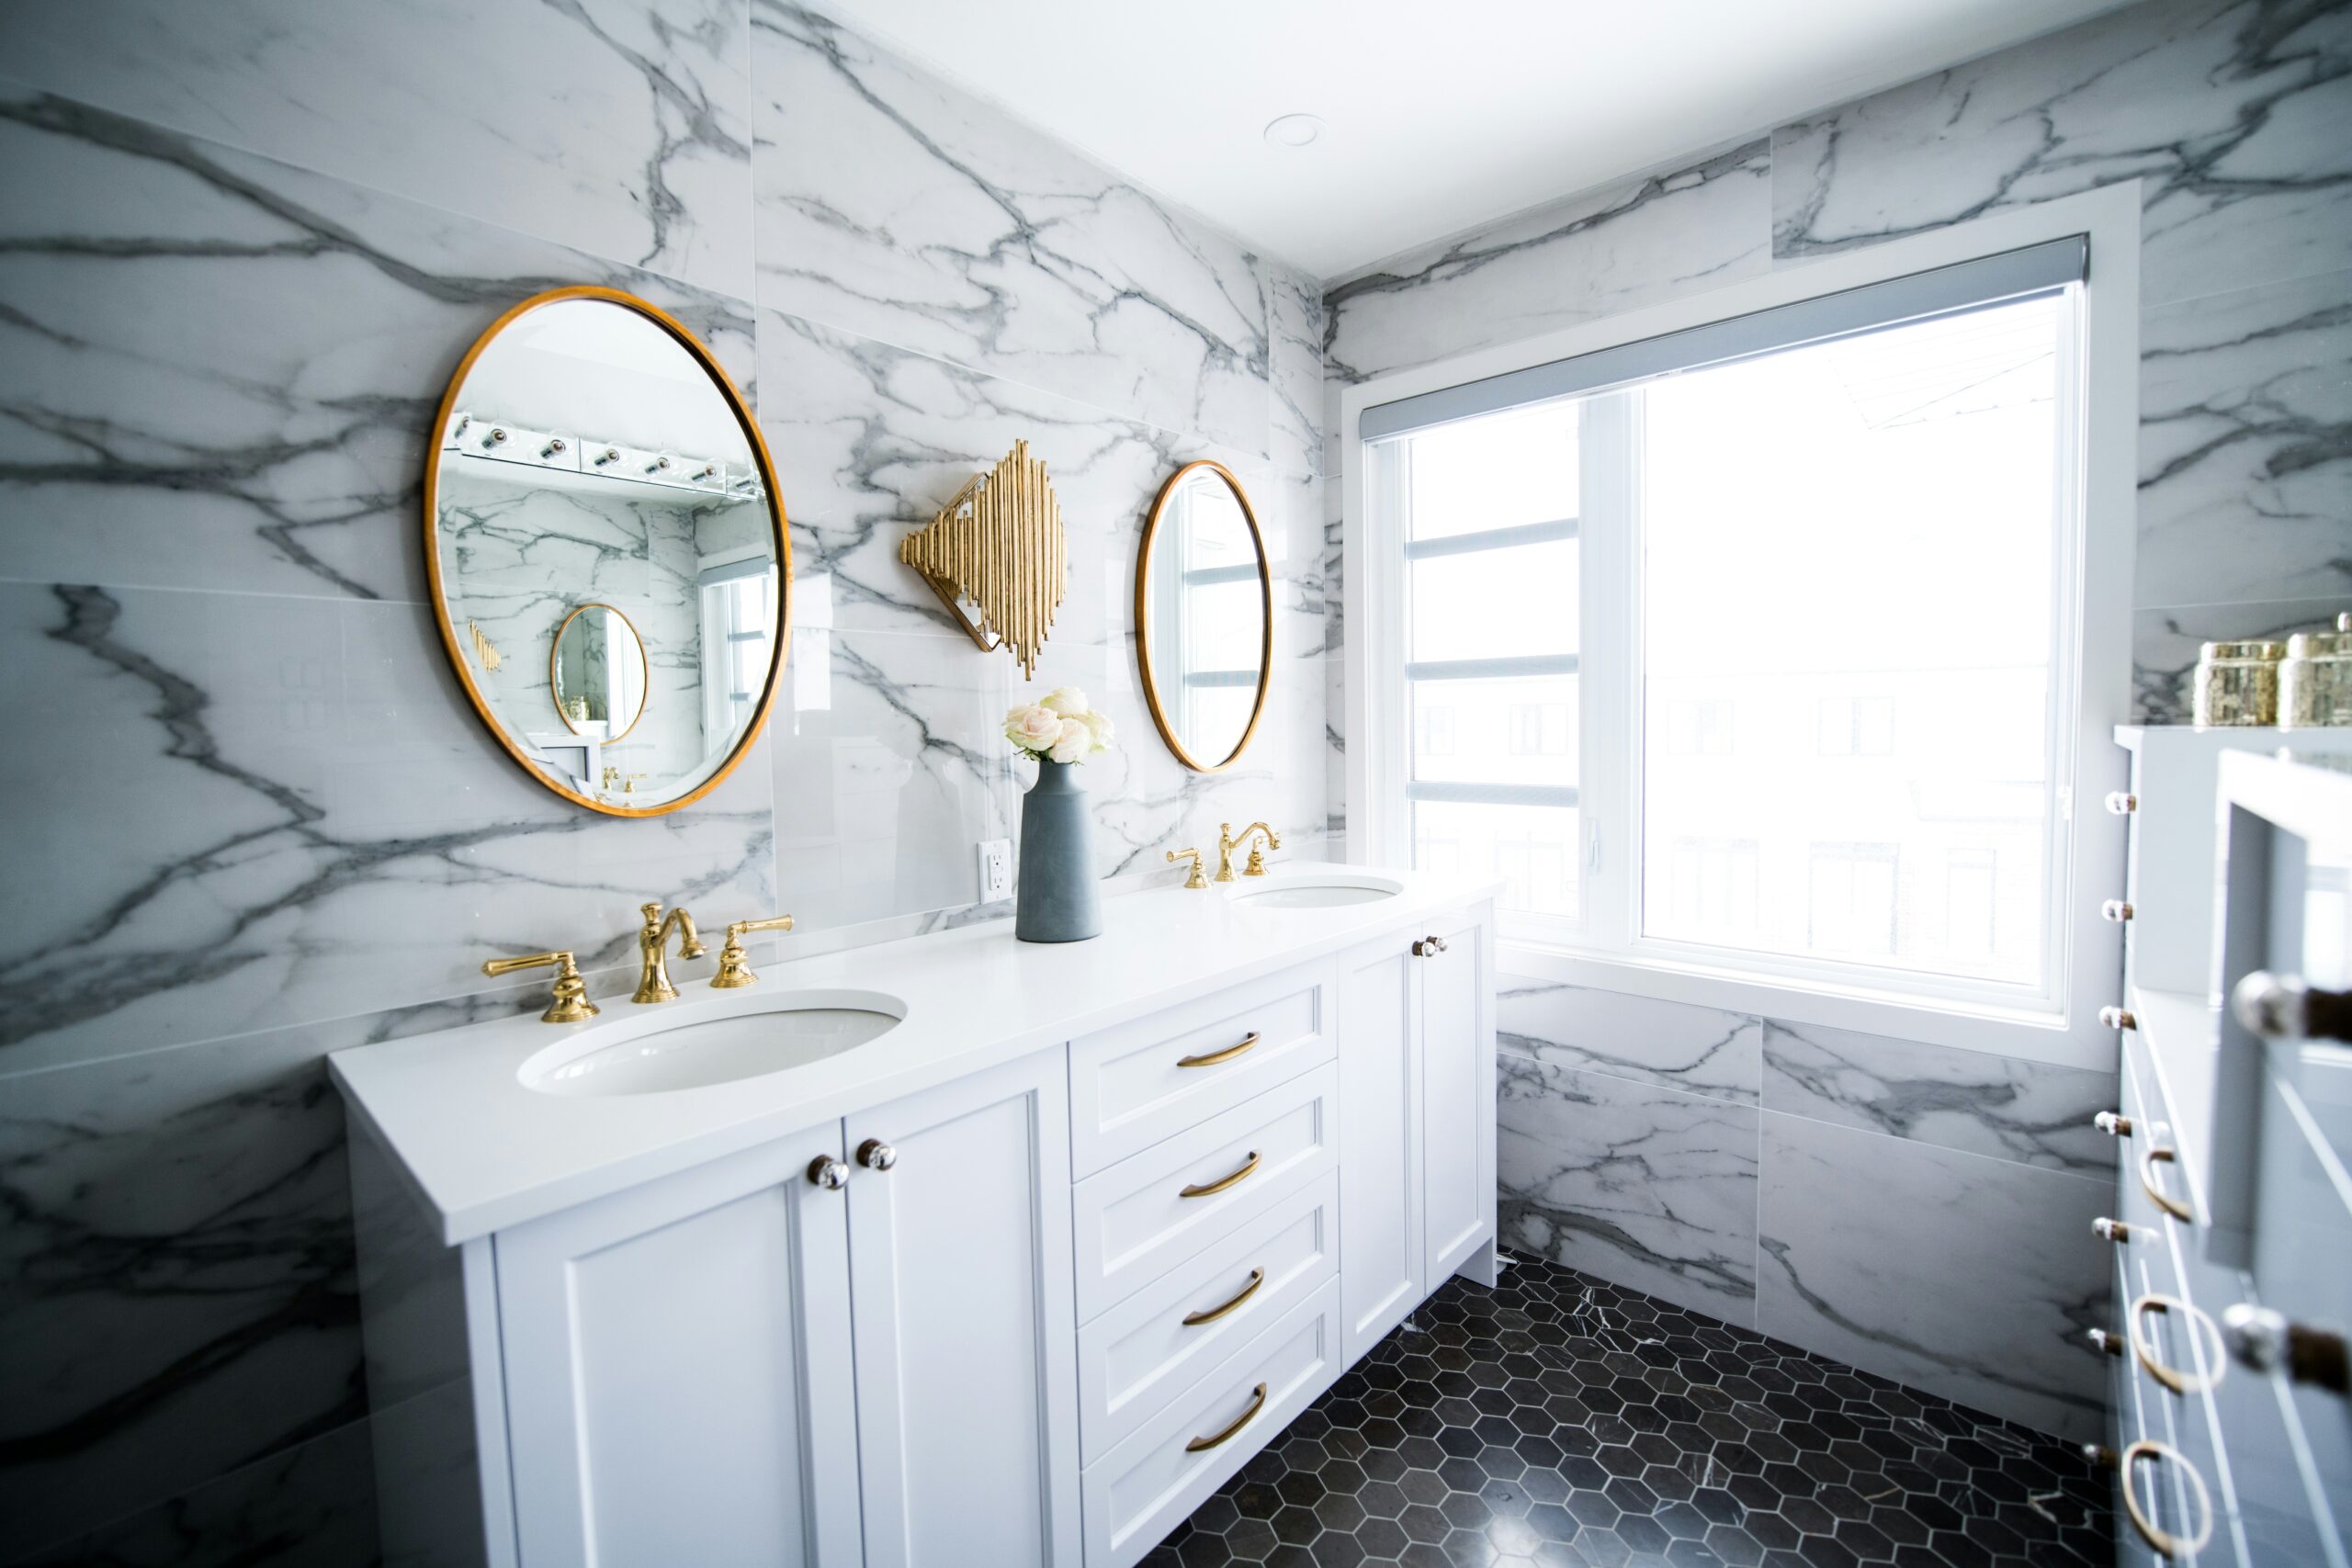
(485, 1152)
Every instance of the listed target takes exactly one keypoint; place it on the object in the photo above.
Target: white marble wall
(1919, 1212)
(242, 247)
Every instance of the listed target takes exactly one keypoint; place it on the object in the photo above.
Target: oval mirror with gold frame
(1205, 616)
(592, 455)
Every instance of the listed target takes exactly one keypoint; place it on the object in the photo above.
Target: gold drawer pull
(1211, 1059)
(2174, 1377)
(1201, 1190)
(1194, 1319)
(1257, 1403)
(2154, 1189)
(2164, 1542)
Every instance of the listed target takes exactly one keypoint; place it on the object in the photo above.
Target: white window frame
(2061, 1027)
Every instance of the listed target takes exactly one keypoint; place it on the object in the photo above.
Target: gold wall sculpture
(1000, 544)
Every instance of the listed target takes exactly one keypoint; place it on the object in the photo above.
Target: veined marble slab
(1639, 1185)
(2245, 442)
(1967, 1276)
(225, 367)
(619, 127)
(897, 207)
(2236, 116)
(1294, 333)
(1589, 256)
(1672, 1045)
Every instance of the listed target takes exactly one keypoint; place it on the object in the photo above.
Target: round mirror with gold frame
(1205, 616)
(597, 487)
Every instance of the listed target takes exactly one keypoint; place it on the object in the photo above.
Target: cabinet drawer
(1137, 1492)
(1142, 1353)
(1135, 1084)
(1150, 1211)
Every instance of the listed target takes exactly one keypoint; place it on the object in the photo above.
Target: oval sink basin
(1315, 890)
(657, 1049)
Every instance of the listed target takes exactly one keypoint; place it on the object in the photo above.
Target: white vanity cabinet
(1030, 1306)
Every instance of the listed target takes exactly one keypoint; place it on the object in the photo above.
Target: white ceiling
(1441, 114)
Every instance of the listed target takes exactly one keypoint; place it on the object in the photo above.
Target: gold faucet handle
(1257, 866)
(570, 1004)
(1197, 879)
(734, 965)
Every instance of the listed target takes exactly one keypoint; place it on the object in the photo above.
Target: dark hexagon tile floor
(1559, 1422)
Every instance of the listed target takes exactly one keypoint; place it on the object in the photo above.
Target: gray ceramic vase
(1059, 901)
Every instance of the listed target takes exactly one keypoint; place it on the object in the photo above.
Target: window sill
(2022, 1033)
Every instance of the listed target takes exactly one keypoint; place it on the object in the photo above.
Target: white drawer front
(1149, 1079)
(1135, 1221)
(1142, 1353)
(1136, 1493)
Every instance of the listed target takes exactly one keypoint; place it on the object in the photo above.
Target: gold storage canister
(2315, 680)
(2237, 683)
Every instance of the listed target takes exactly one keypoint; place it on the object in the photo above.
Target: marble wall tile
(2004, 1107)
(1641, 1186)
(284, 809)
(271, 441)
(1967, 1276)
(313, 1504)
(1294, 336)
(901, 209)
(1589, 256)
(1672, 1045)
(2245, 442)
(2164, 644)
(619, 127)
(176, 1277)
(2234, 114)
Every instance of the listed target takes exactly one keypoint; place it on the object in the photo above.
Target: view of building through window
(1841, 636)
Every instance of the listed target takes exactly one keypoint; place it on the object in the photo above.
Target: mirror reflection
(1203, 616)
(609, 563)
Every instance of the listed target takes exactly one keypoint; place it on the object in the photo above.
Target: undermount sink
(693, 1045)
(1315, 890)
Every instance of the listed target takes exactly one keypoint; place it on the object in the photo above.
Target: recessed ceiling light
(1294, 130)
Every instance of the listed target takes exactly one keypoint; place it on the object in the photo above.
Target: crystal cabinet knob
(2116, 911)
(2105, 1343)
(875, 1154)
(2266, 1341)
(829, 1173)
(2111, 1230)
(2117, 1018)
(2113, 1123)
(2281, 1007)
(2121, 803)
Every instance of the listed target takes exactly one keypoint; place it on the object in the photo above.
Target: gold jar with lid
(2237, 683)
(2315, 680)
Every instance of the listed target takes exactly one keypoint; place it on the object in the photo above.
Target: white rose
(1074, 741)
(1067, 700)
(1100, 724)
(1032, 727)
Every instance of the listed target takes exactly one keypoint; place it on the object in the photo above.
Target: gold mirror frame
(644, 666)
(1143, 622)
(683, 336)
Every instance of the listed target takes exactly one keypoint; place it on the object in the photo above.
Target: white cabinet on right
(1416, 1096)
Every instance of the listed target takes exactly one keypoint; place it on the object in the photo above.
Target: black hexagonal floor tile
(1558, 1421)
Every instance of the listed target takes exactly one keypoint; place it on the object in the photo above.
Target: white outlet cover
(996, 870)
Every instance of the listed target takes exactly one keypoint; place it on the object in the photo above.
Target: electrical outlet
(996, 870)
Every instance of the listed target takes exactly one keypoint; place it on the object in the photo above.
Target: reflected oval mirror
(598, 671)
(607, 556)
(1205, 616)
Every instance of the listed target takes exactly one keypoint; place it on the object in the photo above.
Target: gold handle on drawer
(1202, 1188)
(1194, 1319)
(2164, 1542)
(1257, 1403)
(1211, 1059)
(2172, 1377)
(2154, 1189)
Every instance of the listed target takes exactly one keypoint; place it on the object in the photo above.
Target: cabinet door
(1381, 1259)
(961, 1288)
(1458, 1103)
(677, 1363)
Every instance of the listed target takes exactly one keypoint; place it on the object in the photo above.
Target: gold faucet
(570, 1004)
(734, 967)
(654, 951)
(1227, 842)
(1197, 879)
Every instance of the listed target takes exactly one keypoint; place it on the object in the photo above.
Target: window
(1756, 641)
